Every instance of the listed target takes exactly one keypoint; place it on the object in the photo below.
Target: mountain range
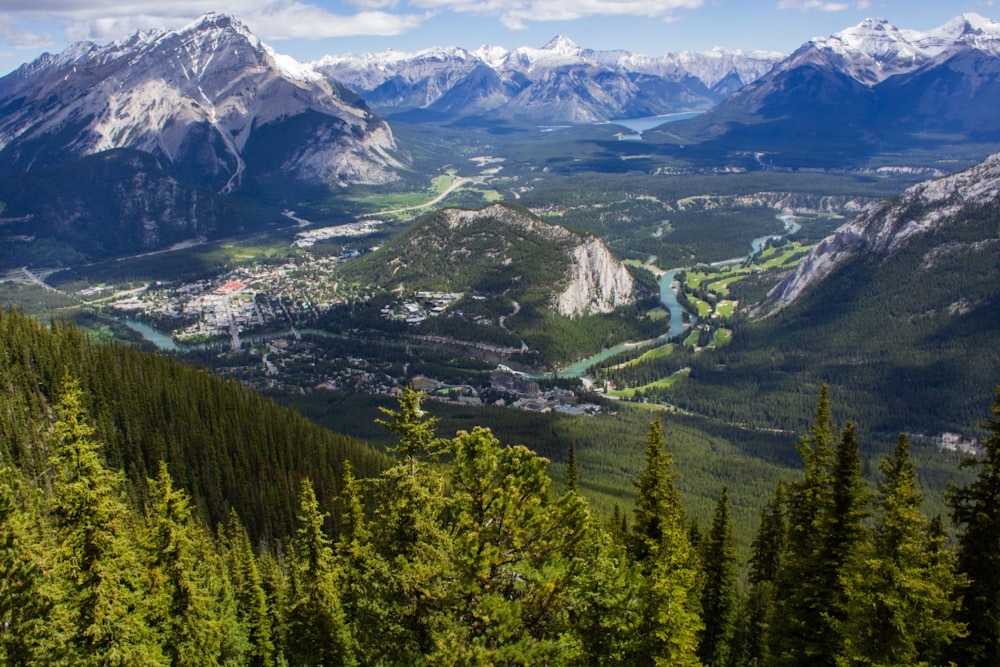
(560, 82)
(868, 89)
(210, 101)
(189, 118)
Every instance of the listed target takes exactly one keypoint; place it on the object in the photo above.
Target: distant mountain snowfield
(560, 82)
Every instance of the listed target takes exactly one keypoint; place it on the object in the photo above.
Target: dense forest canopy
(457, 552)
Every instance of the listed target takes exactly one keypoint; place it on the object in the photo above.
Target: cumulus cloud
(821, 5)
(516, 14)
(99, 20)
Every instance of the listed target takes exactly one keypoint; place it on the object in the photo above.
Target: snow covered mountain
(215, 106)
(869, 87)
(560, 82)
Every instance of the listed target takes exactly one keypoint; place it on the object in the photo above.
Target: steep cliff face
(598, 282)
(885, 228)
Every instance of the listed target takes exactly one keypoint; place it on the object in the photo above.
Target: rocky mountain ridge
(503, 251)
(885, 228)
(207, 100)
(560, 82)
(870, 89)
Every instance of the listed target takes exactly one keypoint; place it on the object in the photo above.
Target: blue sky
(308, 29)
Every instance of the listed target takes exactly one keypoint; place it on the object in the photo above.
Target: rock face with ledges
(885, 228)
(211, 102)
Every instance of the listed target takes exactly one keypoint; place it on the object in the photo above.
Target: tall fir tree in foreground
(825, 534)
(108, 614)
(719, 594)
(976, 512)
(660, 546)
(900, 599)
(316, 628)
(751, 645)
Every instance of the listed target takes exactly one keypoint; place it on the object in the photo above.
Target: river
(668, 297)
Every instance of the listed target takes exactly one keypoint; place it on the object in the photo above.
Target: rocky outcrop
(598, 282)
(884, 228)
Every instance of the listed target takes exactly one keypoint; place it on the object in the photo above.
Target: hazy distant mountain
(216, 106)
(560, 82)
(868, 88)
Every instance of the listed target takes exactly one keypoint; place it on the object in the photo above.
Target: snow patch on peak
(494, 56)
(292, 68)
(562, 45)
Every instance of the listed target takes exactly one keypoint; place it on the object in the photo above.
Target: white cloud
(516, 14)
(821, 6)
(99, 20)
(22, 37)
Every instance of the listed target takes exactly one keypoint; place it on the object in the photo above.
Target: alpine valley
(559, 243)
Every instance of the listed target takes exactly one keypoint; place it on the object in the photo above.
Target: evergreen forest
(151, 514)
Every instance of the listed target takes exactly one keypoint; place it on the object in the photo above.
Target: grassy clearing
(704, 308)
(721, 337)
(726, 308)
(668, 381)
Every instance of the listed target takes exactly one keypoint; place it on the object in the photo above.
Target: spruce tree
(657, 503)
(900, 600)
(30, 632)
(180, 577)
(751, 643)
(660, 546)
(718, 595)
(317, 631)
(96, 556)
(250, 596)
(572, 473)
(975, 510)
(825, 532)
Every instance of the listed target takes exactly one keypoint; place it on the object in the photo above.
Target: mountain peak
(562, 45)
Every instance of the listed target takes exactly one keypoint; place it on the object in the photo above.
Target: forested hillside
(458, 553)
(227, 446)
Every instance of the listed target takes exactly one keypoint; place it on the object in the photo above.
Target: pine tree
(178, 566)
(415, 429)
(660, 546)
(719, 595)
(316, 627)
(751, 643)
(97, 551)
(250, 596)
(572, 473)
(29, 630)
(825, 512)
(657, 502)
(900, 600)
(975, 510)
(513, 556)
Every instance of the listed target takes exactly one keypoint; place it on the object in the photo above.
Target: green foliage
(825, 509)
(718, 593)
(900, 599)
(976, 512)
(107, 612)
(316, 628)
(660, 546)
(226, 446)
